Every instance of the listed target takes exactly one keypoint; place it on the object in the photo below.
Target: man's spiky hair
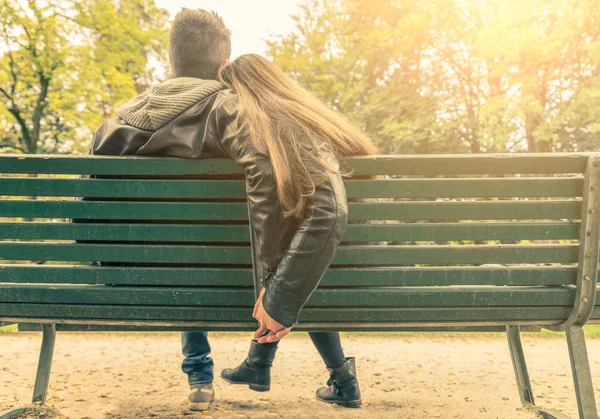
(220, 19)
(199, 42)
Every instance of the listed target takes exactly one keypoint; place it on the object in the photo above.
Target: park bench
(441, 242)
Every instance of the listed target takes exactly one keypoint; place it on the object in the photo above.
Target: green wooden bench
(477, 242)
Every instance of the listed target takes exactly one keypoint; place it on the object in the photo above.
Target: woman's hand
(276, 330)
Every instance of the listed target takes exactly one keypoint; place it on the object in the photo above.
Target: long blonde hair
(292, 127)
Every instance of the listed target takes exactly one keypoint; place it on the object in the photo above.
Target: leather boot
(255, 370)
(343, 386)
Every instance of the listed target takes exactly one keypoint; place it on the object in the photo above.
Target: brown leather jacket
(295, 253)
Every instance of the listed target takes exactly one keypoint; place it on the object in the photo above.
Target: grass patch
(8, 329)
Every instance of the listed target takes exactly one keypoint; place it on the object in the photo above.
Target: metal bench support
(585, 295)
(523, 384)
(582, 376)
(519, 365)
(43, 372)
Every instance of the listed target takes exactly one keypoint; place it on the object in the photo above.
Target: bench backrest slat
(206, 189)
(239, 233)
(208, 211)
(338, 277)
(429, 165)
(239, 255)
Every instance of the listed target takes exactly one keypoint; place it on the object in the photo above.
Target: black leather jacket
(295, 253)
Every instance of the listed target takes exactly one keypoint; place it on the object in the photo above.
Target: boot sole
(352, 403)
(256, 387)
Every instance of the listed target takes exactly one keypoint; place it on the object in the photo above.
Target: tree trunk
(25, 132)
(39, 113)
(532, 121)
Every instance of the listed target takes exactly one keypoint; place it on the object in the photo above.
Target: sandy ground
(137, 375)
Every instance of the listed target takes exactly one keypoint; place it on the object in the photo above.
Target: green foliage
(420, 76)
(425, 76)
(65, 66)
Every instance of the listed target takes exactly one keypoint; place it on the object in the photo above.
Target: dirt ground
(137, 375)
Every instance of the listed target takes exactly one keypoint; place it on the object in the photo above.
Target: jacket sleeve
(310, 253)
(268, 222)
(265, 212)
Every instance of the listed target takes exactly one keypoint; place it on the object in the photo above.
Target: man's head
(199, 44)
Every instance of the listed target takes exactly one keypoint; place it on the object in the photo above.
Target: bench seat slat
(346, 255)
(335, 277)
(409, 211)
(377, 297)
(546, 163)
(36, 327)
(341, 316)
(240, 233)
(568, 187)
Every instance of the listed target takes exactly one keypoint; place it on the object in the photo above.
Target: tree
(454, 76)
(64, 66)
(548, 57)
(344, 52)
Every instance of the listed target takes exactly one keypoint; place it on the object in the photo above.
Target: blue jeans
(198, 365)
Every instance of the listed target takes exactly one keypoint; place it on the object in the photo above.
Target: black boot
(256, 369)
(343, 386)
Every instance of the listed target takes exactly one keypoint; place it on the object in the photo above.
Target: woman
(303, 140)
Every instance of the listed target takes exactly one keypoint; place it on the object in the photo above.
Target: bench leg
(582, 376)
(518, 360)
(43, 373)
(580, 366)
(517, 355)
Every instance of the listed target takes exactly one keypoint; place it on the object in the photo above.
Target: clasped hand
(276, 331)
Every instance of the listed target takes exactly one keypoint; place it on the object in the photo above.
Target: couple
(289, 144)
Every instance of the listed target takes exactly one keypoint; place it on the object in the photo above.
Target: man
(194, 116)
